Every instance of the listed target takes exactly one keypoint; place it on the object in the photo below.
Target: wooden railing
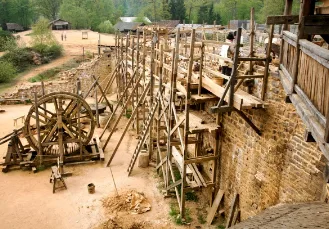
(309, 79)
(289, 50)
(313, 75)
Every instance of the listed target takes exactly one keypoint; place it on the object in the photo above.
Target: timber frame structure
(304, 68)
(163, 94)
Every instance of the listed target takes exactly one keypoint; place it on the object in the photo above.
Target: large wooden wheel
(60, 115)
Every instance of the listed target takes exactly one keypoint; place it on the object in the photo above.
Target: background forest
(92, 14)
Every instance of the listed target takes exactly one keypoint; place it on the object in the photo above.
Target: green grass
(50, 73)
(220, 227)
(189, 196)
(176, 217)
(201, 219)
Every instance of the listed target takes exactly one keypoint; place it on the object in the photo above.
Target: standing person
(62, 36)
(65, 35)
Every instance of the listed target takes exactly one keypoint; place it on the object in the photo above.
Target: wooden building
(59, 24)
(125, 27)
(14, 27)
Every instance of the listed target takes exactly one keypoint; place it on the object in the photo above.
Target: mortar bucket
(91, 188)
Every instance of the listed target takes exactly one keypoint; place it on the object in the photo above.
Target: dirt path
(37, 70)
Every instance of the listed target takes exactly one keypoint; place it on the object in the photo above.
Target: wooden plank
(316, 29)
(174, 184)
(282, 19)
(218, 91)
(200, 159)
(216, 73)
(195, 176)
(214, 207)
(204, 97)
(317, 20)
(234, 204)
(199, 175)
(176, 126)
(179, 159)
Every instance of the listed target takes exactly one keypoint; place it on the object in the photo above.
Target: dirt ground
(26, 198)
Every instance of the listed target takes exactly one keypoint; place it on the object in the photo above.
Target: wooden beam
(200, 159)
(252, 125)
(282, 20)
(266, 71)
(316, 20)
(234, 204)
(174, 184)
(316, 29)
(214, 207)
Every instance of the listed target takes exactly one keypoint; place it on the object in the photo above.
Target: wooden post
(216, 161)
(79, 87)
(252, 38)
(43, 94)
(287, 11)
(132, 46)
(187, 129)
(40, 153)
(144, 70)
(267, 63)
(151, 98)
(201, 69)
(170, 118)
(96, 104)
(137, 69)
(115, 45)
(60, 135)
(234, 72)
(306, 8)
(126, 68)
(158, 157)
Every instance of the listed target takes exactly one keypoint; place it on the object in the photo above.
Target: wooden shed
(14, 27)
(59, 24)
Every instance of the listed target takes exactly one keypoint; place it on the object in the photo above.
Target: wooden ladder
(140, 143)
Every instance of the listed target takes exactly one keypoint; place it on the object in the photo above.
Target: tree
(42, 33)
(203, 14)
(177, 10)
(16, 11)
(83, 14)
(48, 8)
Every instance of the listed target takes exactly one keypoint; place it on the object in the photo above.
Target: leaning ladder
(140, 143)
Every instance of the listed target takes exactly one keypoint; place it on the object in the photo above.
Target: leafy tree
(42, 33)
(84, 14)
(177, 10)
(7, 71)
(48, 8)
(106, 27)
(203, 14)
(16, 11)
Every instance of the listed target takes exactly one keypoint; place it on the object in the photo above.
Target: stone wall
(277, 167)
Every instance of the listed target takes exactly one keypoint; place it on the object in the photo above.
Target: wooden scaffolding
(162, 92)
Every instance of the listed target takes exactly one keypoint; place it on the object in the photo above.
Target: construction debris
(130, 201)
